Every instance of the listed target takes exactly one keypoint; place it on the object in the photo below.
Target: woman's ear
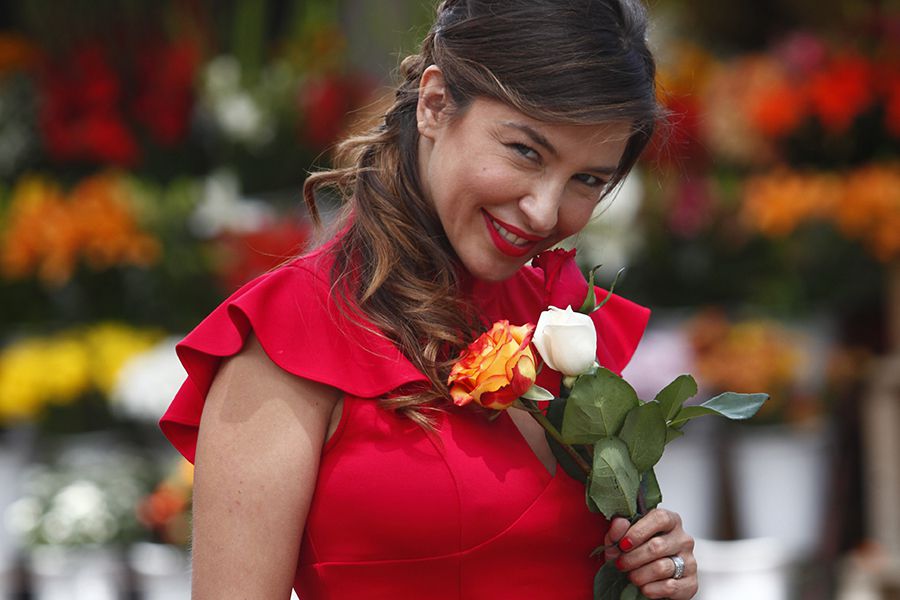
(432, 110)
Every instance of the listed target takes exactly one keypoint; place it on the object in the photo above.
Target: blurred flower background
(152, 155)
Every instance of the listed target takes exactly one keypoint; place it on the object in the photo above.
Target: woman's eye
(525, 151)
(590, 180)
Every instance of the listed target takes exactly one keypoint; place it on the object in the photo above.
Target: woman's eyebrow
(535, 135)
(540, 140)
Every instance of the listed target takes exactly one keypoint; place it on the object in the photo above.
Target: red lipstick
(504, 245)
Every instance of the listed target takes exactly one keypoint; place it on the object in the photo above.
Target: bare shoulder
(258, 451)
(249, 380)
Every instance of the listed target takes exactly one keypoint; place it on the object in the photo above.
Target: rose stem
(555, 434)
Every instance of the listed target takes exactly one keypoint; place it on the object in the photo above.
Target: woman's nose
(541, 207)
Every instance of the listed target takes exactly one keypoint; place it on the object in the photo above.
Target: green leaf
(650, 490)
(672, 397)
(555, 413)
(673, 433)
(536, 392)
(644, 432)
(597, 407)
(614, 479)
(592, 506)
(730, 405)
(612, 287)
(631, 592)
(590, 300)
(600, 550)
(609, 582)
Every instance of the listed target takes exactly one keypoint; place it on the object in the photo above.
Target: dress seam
(461, 553)
(442, 453)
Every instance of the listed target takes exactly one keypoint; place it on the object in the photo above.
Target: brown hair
(582, 61)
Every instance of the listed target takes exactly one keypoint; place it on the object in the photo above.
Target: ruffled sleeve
(301, 329)
(620, 323)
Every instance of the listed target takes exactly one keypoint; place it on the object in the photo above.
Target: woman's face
(506, 186)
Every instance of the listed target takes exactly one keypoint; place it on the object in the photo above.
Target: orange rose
(495, 369)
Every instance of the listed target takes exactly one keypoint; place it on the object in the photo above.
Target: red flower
(325, 103)
(564, 284)
(680, 141)
(842, 92)
(80, 117)
(165, 96)
(248, 255)
(892, 101)
(779, 110)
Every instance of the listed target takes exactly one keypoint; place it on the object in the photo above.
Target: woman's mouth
(507, 239)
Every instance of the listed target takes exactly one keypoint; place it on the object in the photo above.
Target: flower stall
(152, 156)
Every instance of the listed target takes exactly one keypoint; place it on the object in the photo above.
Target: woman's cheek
(576, 216)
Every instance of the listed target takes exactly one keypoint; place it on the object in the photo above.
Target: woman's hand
(646, 551)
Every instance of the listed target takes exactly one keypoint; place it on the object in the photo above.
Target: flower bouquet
(601, 433)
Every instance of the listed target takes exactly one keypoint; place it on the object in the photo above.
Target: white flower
(223, 209)
(566, 340)
(148, 382)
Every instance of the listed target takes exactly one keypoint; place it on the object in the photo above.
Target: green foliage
(629, 436)
(650, 490)
(730, 405)
(609, 583)
(672, 397)
(614, 479)
(597, 407)
(644, 433)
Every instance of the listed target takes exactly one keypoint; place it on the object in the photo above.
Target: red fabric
(466, 513)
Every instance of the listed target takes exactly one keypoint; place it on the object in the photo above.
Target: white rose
(566, 340)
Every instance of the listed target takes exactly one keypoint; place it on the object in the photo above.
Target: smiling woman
(329, 453)
(505, 186)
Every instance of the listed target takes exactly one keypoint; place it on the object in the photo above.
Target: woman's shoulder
(301, 327)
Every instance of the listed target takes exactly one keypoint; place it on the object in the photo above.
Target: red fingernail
(625, 544)
(619, 564)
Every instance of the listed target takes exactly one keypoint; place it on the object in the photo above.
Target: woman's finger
(662, 569)
(654, 549)
(673, 589)
(658, 520)
(617, 528)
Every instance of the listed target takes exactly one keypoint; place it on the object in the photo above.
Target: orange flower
(495, 369)
(48, 233)
(776, 203)
(778, 110)
(870, 209)
(16, 52)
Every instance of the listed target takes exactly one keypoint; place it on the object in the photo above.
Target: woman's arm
(261, 436)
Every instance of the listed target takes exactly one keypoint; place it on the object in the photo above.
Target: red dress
(468, 512)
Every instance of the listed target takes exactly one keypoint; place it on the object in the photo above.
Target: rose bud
(566, 340)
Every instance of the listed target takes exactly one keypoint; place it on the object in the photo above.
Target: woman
(327, 455)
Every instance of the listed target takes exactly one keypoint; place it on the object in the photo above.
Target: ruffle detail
(301, 329)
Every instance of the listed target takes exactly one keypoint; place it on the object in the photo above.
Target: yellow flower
(59, 369)
(111, 345)
(34, 372)
(496, 369)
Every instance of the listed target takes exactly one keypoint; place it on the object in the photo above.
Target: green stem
(555, 434)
